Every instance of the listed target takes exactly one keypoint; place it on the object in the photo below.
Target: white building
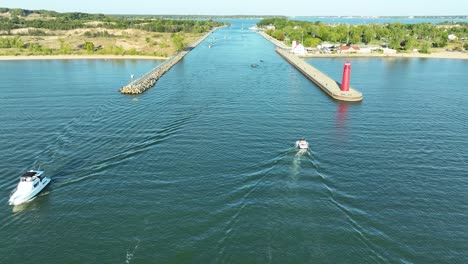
(389, 51)
(452, 37)
(298, 48)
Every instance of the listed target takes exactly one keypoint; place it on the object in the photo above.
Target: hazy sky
(250, 7)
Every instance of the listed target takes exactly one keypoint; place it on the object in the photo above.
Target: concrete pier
(148, 80)
(274, 41)
(322, 80)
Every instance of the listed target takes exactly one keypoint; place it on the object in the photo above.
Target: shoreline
(81, 57)
(434, 55)
(100, 57)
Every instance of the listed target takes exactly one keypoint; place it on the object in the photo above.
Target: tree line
(67, 21)
(395, 35)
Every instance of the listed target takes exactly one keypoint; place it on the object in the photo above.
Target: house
(452, 37)
(388, 51)
(348, 49)
(270, 27)
(298, 48)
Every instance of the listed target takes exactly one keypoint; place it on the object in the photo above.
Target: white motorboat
(31, 183)
(302, 144)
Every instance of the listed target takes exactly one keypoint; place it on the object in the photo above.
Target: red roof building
(345, 49)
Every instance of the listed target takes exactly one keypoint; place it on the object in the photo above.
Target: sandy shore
(434, 54)
(86, 57)
(438, 55)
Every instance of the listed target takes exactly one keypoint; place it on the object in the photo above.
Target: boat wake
(131, 254)
(86, 148)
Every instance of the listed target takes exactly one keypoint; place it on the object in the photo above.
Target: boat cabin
(30, 176)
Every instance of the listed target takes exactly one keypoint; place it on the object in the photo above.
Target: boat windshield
(29, 174)
(26, 179)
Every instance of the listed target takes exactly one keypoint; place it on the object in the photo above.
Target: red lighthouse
(346, 76)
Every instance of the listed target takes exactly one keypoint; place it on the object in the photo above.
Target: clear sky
(251, 7)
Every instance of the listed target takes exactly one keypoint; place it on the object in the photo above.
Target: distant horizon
(298, 8)
(242, 15)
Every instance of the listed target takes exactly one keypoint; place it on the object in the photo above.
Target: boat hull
(20, 198)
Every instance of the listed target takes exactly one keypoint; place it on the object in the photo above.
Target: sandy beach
(85, 57)
(438, 55)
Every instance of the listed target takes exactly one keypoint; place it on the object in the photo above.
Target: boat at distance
(302, 144)
(31, 183)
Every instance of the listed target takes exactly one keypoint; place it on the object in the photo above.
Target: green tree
(178, 41)
(425, 47)
(397, 35)
(341, 32)
(65, 48)
(278, 34)
(409, 42)
(35, 48)
(381, 32)
(324, 32)
(423, 31)
(89, 46)
(17, 12)
(440, 39)
(368, 34)
(14, 42)
(355, 35)
(312, 42)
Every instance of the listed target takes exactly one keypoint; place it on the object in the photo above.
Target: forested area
(397, 36)
(44, 19)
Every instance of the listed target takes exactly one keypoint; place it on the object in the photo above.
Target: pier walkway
(327, 84)
(322, 80)
(149, 79)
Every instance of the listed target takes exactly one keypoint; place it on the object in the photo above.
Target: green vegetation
(43, 32)
(402, 37)
(178, 41)
(51, 20)
(425, 47)
(13, 42)
(89, 46)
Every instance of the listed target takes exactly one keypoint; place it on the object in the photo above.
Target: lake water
(202, 167)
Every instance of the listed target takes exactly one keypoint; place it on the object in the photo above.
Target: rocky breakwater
(148, 80)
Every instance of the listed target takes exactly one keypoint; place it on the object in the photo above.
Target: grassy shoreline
(434, 55)
(77, 57)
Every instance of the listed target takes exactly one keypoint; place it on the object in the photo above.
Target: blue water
(202, 167)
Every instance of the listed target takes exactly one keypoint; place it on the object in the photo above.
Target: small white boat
(302, 144)
(31, 183)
